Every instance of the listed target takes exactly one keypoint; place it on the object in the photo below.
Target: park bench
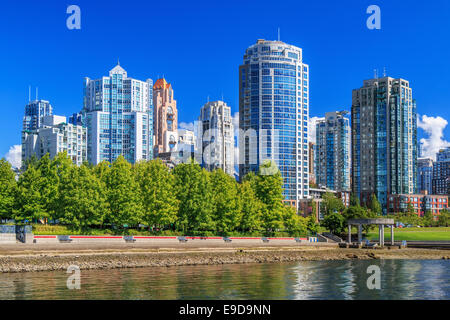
(129, 239)
(64, 239)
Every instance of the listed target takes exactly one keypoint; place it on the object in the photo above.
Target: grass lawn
(417, 234)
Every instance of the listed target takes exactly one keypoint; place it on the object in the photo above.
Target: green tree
(7, 188)
(251, 208)
(226, 212)
(293, 223)
(59, 173)
(375, 205)
(123, 194)
(354, 212)
(428, 218)
(157, 187)
(354, 200)
(194, 193)
(48, 186)
(82, 199)
(269, 189)
(332, 204)
(410, 208)
(444, 218)
(28, 203)
(312, 224)
(334, 222)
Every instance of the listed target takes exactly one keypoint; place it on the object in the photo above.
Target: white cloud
(14, 156)
(186, 126)
(312, 128)
(235, 120)
(434, 128)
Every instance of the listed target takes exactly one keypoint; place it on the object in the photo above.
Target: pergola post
(382, 235)
(359, 233)
(349, 233)
(379, 234)
(392, 235)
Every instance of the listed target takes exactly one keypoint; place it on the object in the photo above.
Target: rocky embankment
(109, 260)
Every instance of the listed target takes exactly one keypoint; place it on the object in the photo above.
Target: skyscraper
(216, 134)
(384, 139)
(424, 175)
(332, 154)
(273, 114)
(118, 112)
(441, 172)
(165, 125)
(35, 111)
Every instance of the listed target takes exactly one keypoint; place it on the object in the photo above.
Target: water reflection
(400, 279)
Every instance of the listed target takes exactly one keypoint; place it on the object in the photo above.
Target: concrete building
(35, 111)
(216, 134)
(118, 111)
(332, 156)
(187, 137)
(384, 139)
(425, 175)
(274, 114)
(441, 172)
(165, 125)
(419, 202)
(53, 136)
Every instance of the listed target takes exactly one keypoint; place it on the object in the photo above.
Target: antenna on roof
(375, 73)
(278, 34)
(208, 98)
(384, 71)
(37, 90)
(118, 62)
(29, 93)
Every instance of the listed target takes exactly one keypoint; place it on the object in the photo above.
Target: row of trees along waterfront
(188, 199)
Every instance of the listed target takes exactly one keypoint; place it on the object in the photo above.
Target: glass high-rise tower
(273, 114)
(384, 139)
(35, 111)
(118, 113)
(333, 151)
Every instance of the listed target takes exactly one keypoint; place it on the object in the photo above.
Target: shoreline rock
(113, 260)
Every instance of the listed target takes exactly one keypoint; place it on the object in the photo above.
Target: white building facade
(53, 136)
(118, 113)
(216, 136)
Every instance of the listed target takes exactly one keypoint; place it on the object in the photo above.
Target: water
(400, 279)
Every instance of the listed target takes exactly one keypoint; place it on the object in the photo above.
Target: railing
(331, 236)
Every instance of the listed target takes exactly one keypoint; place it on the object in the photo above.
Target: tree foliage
(120, 195)
(7, 187)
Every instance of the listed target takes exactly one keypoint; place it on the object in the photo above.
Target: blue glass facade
(34, 113)
(273, 114)
(119, 117)
(332, 156)
(425, 175)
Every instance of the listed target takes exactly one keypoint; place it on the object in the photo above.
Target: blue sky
(198, 46)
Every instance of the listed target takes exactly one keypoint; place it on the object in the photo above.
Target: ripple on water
(400, 279)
